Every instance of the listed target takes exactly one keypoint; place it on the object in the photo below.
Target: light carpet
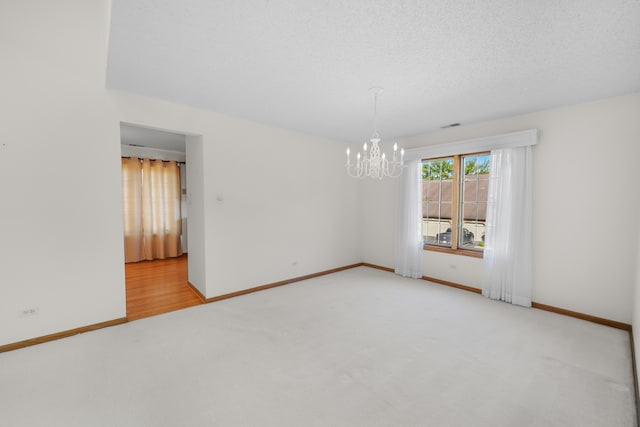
(361, 347)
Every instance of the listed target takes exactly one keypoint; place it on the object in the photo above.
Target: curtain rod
(166, 161)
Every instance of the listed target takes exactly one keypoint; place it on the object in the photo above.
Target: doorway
(156, 286)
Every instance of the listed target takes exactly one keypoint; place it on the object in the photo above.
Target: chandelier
(373, 163)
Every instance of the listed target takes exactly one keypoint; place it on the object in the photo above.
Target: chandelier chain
(375, 115)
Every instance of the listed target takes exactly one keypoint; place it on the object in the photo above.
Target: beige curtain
(152, 217)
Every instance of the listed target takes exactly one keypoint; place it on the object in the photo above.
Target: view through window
(454, 207)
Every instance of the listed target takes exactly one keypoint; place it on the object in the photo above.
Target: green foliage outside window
(476, 165)
(437, 170)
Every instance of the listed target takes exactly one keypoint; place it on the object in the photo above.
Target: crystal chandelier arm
(354, 170)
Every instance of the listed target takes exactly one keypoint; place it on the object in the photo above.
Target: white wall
(585, 177)
(184, 209)
(195, 201)
(636, 314)
(277, 203)
(265, 204)
(61, 247)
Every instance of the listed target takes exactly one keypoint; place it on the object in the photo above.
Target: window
(454, 191)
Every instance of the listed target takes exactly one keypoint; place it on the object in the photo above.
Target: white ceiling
(308, 64)
(145, 137)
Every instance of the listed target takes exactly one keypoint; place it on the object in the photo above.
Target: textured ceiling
(308, 64)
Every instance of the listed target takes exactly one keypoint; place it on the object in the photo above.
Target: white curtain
(508, 235)
(408, 245)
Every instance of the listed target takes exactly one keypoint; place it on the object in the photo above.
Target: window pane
(437, 192)
(475, 186)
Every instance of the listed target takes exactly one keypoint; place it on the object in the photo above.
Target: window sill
(465, 252)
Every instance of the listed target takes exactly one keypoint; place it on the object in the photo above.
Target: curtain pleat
(508, 233)
(152, 217)
(408, 242)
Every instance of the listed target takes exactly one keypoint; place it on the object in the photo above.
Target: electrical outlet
(28, 312)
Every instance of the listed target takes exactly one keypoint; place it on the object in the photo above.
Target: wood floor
(160, 286)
